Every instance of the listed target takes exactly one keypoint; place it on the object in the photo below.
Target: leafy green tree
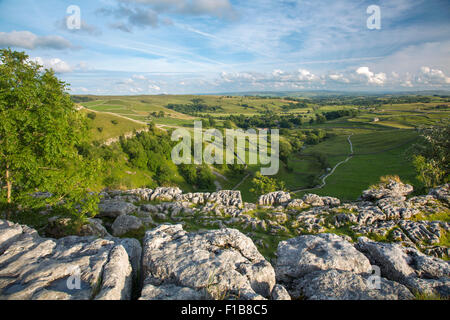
(189, 172)
(205, 177)
(40, 130)
(263, 184)
(285, 150)
(431, 155)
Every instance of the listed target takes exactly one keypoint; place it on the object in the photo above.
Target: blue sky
(211, 46)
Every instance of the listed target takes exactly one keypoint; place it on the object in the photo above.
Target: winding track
(332, 171)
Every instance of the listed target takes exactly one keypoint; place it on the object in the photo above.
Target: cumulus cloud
(338, 78)
(28, 40)
(278, 79)
(58, 65)
(429, 75)
(372, 78)
(305, 75)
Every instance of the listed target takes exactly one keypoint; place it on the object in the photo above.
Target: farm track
(332, 171)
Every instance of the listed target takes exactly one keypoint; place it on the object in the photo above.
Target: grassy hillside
(104, 126)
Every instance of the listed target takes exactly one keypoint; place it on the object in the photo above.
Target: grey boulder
(214, 264)
(124, 224)
(114, 208)
(299, 256)
(345, 285)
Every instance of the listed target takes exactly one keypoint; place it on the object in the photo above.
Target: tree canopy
(40, 132)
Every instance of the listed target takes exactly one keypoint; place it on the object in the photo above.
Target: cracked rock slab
(409, 266)
(214, 264)
(70, 268)
(299, 256)
(345, 285)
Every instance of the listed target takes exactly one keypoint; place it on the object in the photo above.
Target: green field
(381, 136)
(106, 126)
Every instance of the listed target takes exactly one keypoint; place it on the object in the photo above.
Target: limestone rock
(94, 227)
(274, 198)
(442, 193)
(212, 263)
(308, 253)
(114, 208)
(124, 224)
(345, 285)
(409, 266)
(313, 200)
(33, 268)
(165, 194)
(170, 292)
(392, 189)
(295, 204)
(280, 293)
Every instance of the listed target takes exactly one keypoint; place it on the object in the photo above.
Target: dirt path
(241, 182)
(115, 114)
(332, 171)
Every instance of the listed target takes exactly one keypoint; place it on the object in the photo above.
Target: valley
(382, 128)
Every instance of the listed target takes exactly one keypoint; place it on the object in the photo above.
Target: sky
(126, 47)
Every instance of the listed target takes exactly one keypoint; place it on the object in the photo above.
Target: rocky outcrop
(211, 264)
(318, 201)
(225, 263)
(441, 193)
(76, 268)
(274, 198)
(409, 266)
(345, 285)
(328, 267)
(392, 189)
(305, 254)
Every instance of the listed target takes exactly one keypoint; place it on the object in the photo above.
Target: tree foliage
(40, 130)
(264, 184)
(431, 156)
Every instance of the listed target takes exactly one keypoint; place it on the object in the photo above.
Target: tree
(40, 130)
(431, 155)
(285, 150)
(227, 124)
(205, 177)
(263, 185)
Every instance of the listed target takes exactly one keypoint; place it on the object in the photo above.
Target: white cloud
(138, 77)
(338, 78)
(372, 78)
(58, 65)
(28, 40)
(305, 75)
(154, 87)
(432, 76)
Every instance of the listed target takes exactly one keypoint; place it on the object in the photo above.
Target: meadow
(381, 135)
